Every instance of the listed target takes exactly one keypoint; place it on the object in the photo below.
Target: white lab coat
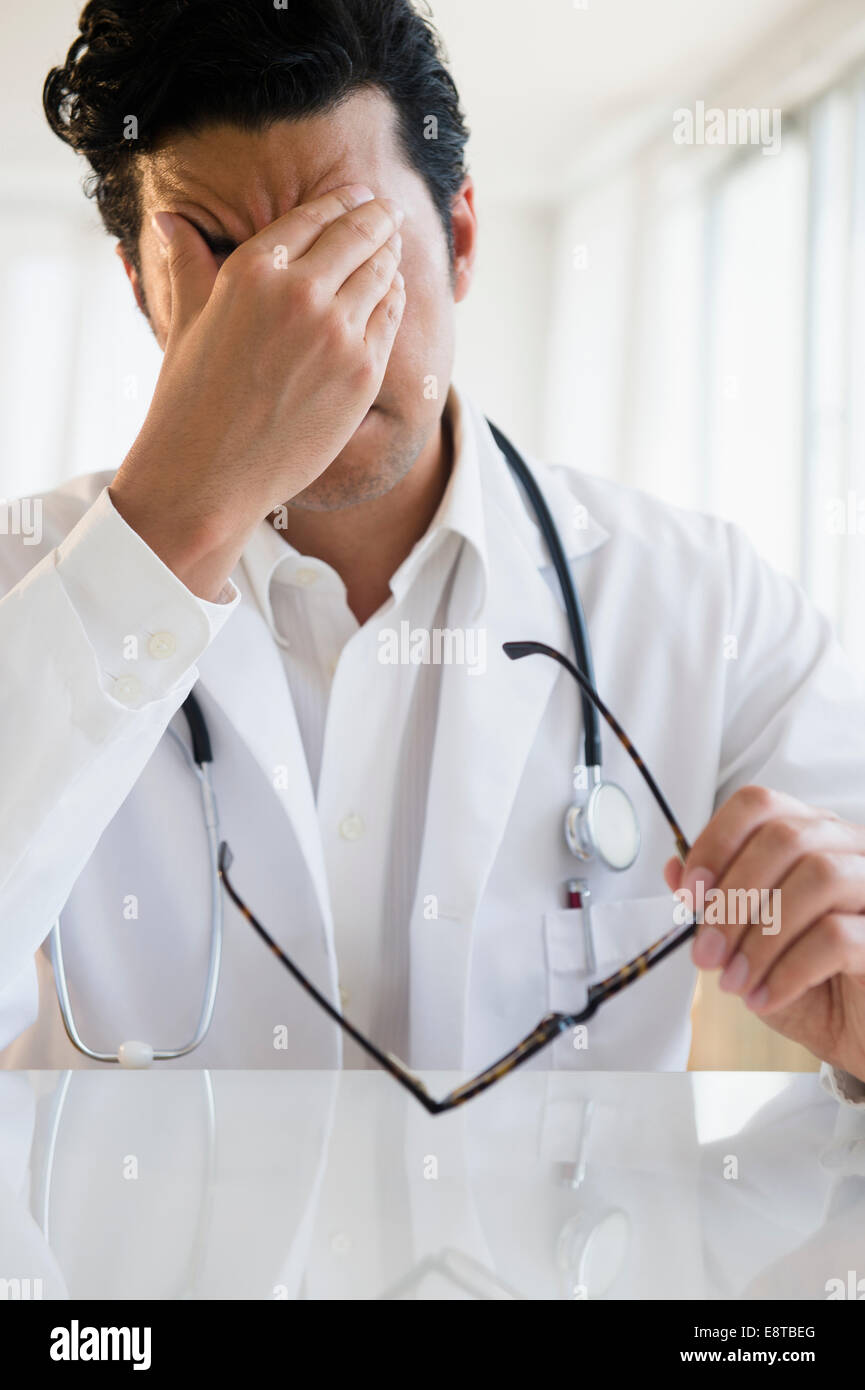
(716, 666)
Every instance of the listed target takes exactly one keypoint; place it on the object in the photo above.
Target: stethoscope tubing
(200, 760)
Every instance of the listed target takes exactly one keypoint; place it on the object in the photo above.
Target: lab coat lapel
(485, 730)
(242, 670)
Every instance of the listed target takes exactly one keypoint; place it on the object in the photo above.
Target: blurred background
(686, 317)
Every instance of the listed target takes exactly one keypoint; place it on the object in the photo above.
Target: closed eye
(220, 246)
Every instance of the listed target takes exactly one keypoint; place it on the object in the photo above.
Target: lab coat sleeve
(99, 644)
(794, 717)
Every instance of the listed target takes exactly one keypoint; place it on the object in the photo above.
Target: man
(296, 221)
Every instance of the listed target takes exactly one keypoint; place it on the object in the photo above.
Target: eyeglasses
(552, 1024)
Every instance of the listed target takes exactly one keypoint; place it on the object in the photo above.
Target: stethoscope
(603, 828)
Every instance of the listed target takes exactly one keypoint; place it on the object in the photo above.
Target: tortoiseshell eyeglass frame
(552, 1024)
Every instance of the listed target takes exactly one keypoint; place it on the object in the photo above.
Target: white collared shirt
(367, 724)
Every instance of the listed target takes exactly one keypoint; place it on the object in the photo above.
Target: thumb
(191, 266)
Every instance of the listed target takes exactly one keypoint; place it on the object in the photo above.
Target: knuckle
(780, 837)
(821, 869)
(834, 930)
(182, 257)
(312, 215)
(366, 373)
(362, 227)
(305, 295)
(246, 268)
(755, 799)
(338, 335)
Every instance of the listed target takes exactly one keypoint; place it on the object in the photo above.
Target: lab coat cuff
(147, 630)
(842, 1085)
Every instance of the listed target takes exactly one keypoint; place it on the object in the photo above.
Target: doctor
(306, 483)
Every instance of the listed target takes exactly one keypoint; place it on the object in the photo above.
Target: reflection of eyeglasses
(552, 1024)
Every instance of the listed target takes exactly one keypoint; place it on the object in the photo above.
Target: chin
(363, 470)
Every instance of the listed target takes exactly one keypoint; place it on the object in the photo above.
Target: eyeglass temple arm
(516, 650)
(391, 1064)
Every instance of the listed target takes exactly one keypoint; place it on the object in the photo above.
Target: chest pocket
(620, 931)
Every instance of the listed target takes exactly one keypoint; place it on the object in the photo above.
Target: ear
(465, 236)
(132, 275)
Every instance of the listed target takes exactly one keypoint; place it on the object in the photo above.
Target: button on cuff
(162, 645)
(144, 599)
(127, 689)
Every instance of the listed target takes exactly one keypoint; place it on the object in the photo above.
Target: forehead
(246, 179)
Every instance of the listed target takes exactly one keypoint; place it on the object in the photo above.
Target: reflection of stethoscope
(591, 1248)
(590, 1252)
(189, 1286)
(604, 827)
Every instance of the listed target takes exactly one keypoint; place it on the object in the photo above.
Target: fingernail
(163, 225)
(361, 194)
(758, 998)
(399, 279)
(670, 866)
(395, 210)
(695, 876)
(710, 948)
(735, 977)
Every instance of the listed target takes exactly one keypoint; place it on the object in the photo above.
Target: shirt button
(344, 997)
(304, 577)
(127, 689)
(351, 827)
(162, 644)
(340, 1243)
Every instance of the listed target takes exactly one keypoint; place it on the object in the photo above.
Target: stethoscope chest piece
(605, 828)
(592, 1253)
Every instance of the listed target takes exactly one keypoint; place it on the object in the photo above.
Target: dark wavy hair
(180, 65)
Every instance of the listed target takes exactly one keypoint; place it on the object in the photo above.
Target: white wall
(502, 325)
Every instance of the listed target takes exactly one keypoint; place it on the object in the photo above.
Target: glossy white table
(263, 1185)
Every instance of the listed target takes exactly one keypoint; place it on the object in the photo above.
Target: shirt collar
(461, 510)
(480, 488)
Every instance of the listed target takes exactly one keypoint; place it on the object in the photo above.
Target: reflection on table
(265, 1185)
